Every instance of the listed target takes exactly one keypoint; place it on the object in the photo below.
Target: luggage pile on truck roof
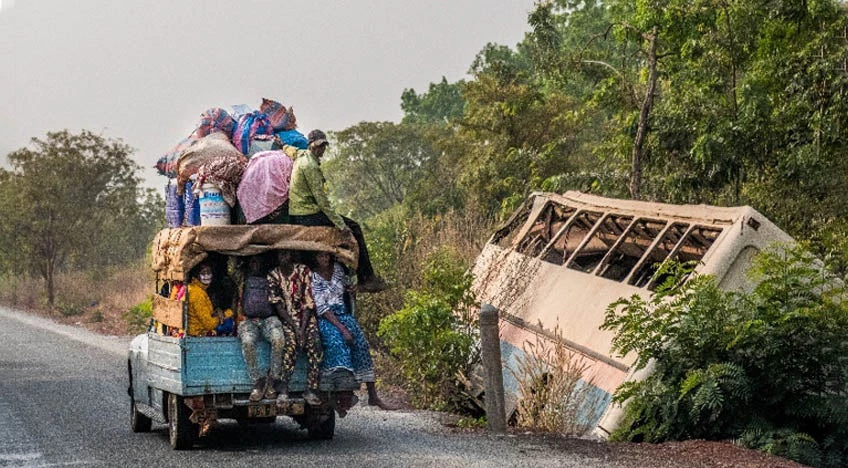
(227, 196)
(231, 169)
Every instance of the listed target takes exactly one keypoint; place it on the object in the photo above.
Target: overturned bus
(560, 260)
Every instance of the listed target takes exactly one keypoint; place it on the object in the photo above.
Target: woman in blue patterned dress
(345, 345)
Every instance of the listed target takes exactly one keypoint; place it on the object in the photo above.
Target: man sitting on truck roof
(309, 205)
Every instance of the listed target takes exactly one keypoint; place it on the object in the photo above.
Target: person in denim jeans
(261, 322)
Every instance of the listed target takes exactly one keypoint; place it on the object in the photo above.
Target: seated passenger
(291, 294)
(345, 345)
(201, 315)
(260, 322)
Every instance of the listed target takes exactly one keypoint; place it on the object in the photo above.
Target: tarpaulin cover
(176, 251)
(250, 125)
(264, 186)
(293, 138)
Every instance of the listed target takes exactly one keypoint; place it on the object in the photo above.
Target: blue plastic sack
(192, 206)
(249, 126)
(293, 138)
(174, 206)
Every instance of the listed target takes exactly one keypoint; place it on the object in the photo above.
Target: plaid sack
(167, 164)
(280, 117)
(215, 120)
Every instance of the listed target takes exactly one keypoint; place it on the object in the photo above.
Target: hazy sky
(143, 70)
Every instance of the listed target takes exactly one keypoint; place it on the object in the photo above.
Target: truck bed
(192, 366)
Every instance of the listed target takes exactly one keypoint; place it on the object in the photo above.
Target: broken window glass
(593, 249)
(621, 260)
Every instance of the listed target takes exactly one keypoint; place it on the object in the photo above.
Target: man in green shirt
(310, 206)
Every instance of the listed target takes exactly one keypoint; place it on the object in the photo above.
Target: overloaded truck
(191, 382)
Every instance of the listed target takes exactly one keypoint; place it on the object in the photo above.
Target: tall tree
(66, 200)
(375, 165)
(441, 103)
(517, 132)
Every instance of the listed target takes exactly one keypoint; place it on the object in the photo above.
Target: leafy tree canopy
(73, 201)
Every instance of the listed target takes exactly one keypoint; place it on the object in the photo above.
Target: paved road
(63, 402)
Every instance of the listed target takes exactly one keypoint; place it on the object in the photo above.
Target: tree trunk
(644, 114)
(48, 279)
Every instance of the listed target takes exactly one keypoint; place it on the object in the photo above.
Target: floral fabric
(294, 291)
(338, 355)
(329, 293)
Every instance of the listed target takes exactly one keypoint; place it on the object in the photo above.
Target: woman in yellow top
(201, 314)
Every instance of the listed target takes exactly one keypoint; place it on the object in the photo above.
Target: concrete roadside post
(490, 353)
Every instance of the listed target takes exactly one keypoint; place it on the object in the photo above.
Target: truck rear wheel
(181, 431)
(320, 424)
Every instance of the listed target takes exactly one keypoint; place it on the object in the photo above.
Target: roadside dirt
(689, 453)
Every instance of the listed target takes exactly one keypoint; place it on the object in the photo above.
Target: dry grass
(554, 388)
(95, 300)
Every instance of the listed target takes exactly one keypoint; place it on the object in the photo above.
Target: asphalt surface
(63, 402)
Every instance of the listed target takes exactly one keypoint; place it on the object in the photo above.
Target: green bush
(432, 341)
(768, 368)
(385, 237)
(138, 316)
